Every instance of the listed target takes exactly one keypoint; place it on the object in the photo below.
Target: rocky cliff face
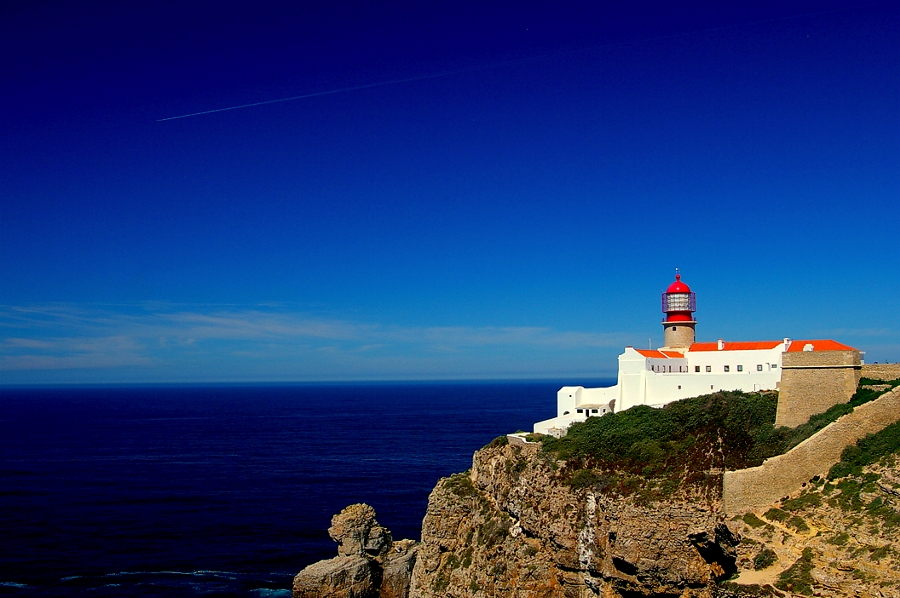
(520, 525)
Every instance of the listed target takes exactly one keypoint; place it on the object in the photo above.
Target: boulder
(369, 564)
(340, 577)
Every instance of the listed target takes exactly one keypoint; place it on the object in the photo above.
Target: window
(727, 368)
(696, 368)
(670, 369)
(679, 387)
(759, 367)
(774, 365)
(709, 368)
(593, 411)
(580, 410)
(740, 368)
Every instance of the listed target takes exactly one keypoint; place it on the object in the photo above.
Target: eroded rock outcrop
(517, 525)
(369, 564)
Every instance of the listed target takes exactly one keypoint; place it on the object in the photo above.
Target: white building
(681, 369)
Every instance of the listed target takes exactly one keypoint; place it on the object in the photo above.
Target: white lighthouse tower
(679, 305)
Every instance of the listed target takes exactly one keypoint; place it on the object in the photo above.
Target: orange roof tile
(650, 353)
(660, 354)
(819, 345)
(740, 346)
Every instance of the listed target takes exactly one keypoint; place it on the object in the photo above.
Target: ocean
(225, 490)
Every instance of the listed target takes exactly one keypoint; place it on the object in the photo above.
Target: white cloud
(269, 342)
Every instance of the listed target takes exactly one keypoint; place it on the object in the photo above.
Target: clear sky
(493, 189)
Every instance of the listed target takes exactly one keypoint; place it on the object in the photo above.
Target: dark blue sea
(225, 490)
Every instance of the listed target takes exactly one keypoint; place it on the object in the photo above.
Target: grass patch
(798, 523)
(494, 531)
(461, 485)
(765, 558)
(776, 514)
(866, 451)
(753, 521)
(586, 478)
(499, 441)
(797, 578)
(876, 554)
(803, 501)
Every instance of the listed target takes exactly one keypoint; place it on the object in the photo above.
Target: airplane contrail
(343, 89)
(505, 63)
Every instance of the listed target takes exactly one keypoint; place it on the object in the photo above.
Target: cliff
(549, 520)
(519, 525)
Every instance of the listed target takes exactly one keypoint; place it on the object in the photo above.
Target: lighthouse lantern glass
(679, 302)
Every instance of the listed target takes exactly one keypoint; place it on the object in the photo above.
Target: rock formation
(369, 564)
(522, 524)
(517, 526)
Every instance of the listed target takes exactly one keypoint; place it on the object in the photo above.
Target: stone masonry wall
(754, 488)
(678, 334)
(809, 386)
(881, 371)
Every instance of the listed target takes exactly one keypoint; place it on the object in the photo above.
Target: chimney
(721, 344)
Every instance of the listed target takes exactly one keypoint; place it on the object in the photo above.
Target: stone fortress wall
(881, 371)
(813, 381)
(758, 487)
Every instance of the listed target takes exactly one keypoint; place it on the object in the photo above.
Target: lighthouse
(679, 305)
(684, 368)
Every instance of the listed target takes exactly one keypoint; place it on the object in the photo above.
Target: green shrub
(710, 431)
(867, 450)
(797, 578)
(876, 554)
(839, 539)
(753, 521)
(461, 485)
(493, 531)
(765, 558)
(776, 514)
(585, 478)
(810, 499)
(499, 441)
(798, 523)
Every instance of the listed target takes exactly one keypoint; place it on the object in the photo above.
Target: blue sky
(503, 191)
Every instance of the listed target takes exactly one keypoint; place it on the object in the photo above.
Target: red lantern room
(679, 305)
(678, 302)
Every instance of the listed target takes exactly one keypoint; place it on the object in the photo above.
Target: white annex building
(682, 368)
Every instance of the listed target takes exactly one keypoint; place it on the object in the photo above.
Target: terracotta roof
(741, 346)
(819, 345)
(660, 354)
(649, 353)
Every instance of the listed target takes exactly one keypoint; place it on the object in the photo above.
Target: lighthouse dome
(678, 286)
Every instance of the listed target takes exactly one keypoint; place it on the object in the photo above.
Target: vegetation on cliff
(686, 441)
(836, 537)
